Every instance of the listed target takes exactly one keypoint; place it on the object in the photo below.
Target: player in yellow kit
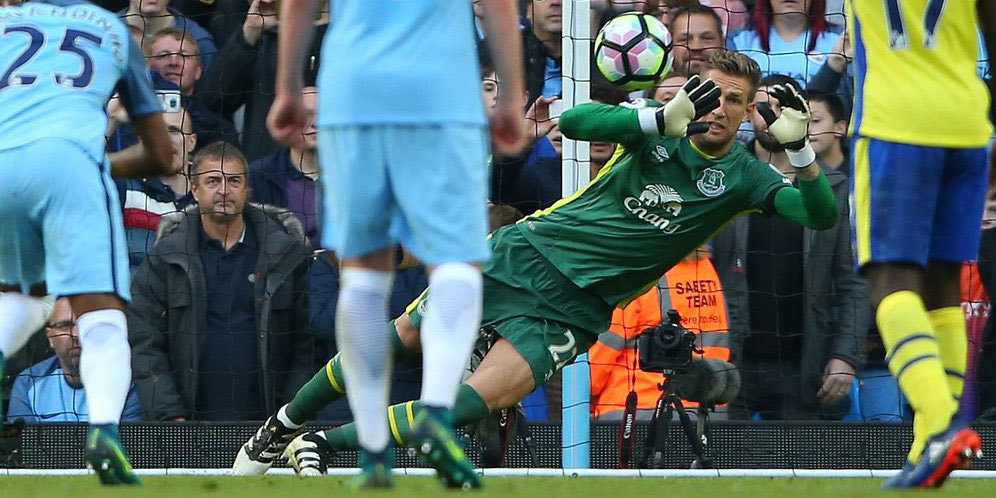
(919, 132)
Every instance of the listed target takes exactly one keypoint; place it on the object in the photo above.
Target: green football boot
(434, 440)
(107, 456)
(375, 471)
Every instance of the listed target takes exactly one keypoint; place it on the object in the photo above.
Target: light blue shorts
(60, 221)
(424, 187)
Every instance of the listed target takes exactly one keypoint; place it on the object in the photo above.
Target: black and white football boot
(263, 448)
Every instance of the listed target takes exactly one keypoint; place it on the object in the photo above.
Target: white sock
(449, 330)
(105, 363)
(361, 331)
(284, 419)
(20, 316)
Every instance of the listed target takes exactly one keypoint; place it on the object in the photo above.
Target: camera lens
(669, 337)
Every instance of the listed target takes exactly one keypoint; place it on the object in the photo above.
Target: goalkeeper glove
(791, 128)
(695, 99)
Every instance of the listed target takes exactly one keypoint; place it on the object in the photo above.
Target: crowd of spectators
(234, 301)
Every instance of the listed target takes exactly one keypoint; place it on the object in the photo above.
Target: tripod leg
(662, 433)
(650, 442)
(689, 428)
(704, 462)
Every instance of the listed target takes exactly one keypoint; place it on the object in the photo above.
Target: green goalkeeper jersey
(658, 199)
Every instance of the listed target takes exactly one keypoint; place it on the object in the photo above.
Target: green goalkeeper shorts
(545, 317)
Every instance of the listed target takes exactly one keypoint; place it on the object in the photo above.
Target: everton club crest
(711, 182)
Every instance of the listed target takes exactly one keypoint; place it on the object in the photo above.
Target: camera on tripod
(668, 347)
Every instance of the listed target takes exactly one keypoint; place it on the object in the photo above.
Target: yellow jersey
(915, 78)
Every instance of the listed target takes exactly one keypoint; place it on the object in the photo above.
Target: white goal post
(575, 70)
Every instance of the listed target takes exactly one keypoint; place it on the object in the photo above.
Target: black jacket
(167, 316)
(526, 186)
(244, 74)
(268, 178)
(536, 56)
(836, 306)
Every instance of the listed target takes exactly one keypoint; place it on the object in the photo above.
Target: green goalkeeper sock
(468, 408)
(329, 384)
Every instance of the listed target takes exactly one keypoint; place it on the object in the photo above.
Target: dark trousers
(774, 390)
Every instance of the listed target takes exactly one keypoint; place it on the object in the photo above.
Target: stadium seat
(880, 399)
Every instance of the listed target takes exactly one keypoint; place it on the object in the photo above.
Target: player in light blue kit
(60, 61)
(403, 146)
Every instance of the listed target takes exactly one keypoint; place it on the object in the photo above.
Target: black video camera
(666, 348)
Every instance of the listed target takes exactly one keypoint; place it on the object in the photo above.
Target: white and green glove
(791, 128)
(695, 99)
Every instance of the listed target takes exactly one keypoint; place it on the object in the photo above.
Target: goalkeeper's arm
(812, 204)
(609, 123)
(601, 123)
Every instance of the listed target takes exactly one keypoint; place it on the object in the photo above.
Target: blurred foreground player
(60, 61)
(555, 276)
(919, 132)
(403, 150)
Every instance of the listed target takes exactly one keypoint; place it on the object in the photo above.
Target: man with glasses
(175, 55)
(52, 390)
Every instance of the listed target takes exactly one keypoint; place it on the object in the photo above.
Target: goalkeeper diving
(554, 277)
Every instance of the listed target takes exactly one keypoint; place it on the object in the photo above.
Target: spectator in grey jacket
(219, 317)
(798, 312)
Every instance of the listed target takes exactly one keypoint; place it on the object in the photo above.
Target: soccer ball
(633, 51)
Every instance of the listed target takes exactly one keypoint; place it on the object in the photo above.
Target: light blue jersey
(40, 394)
(788, 58)
(60, 219)
(400, 62)
(60, 62)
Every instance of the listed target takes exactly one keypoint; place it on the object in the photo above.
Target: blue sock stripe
(906, 340)
(954, 373)
(912, 361)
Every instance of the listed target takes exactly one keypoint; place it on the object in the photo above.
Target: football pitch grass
(506, 487)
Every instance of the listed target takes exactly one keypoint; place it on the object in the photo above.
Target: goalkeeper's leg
(502, 380)
(328, 385)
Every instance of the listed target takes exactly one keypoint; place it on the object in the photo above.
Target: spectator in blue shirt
(790, 37)
(51, 390)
